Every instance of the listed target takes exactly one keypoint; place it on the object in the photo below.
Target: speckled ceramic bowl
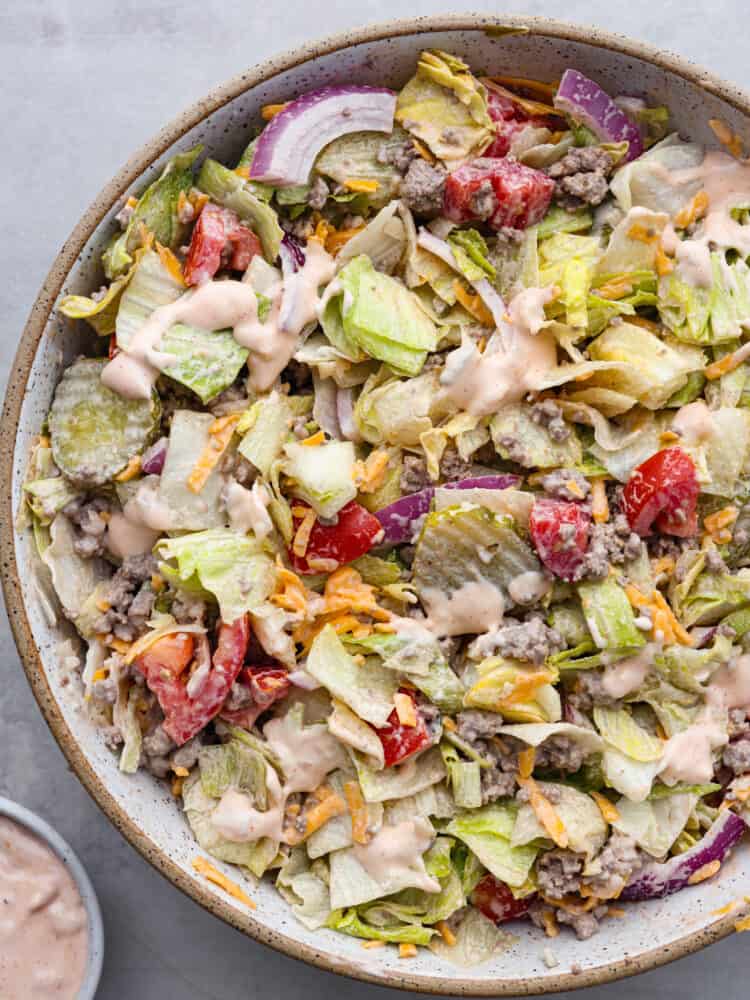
(95, 938)
(142, 809)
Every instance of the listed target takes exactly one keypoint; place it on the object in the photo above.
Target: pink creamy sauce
(218, 305)
(515, 361)
(43, 922)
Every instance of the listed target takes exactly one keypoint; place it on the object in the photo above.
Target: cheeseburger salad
(402, 505)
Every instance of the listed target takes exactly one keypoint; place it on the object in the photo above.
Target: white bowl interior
(645, 928)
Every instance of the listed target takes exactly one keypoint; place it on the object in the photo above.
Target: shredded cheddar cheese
(314, 440)
(526, 760)
(573, 487)
(446, 933)
(550, 924)
(615, 288)
(369, 475)
(326, 805)
(423, 151)
(546, 90)
(662, 616)
(695, 209)
(269, 111)
(545, 812)
(599, 503)
(407, 950)
(345, 590)
(727, 364)
(405, 710)
(303, 532)
(717, 524)
(100, 675)
(212, 874)
(177, 782)
(358, 811)
(361, 185)
(103, 605)
(338, 238)
(220, 434)
(742, 925)
(606, 808)
(171, 263)
(130, 471)
(370, 945)
(668, 437)
(473, 304)
(291, 594)
(729, 139)
(705, 872)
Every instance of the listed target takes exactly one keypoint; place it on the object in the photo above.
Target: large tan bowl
(142, 809)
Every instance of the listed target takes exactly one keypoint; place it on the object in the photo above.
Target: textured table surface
(85, 82)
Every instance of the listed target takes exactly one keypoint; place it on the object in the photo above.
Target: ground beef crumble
(548, 414)
(532, 641)
(422, 188)
(130, 599)
(414, 475)
(581, 177)
(90, 520)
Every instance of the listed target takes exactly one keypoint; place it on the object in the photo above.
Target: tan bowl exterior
(735, 105)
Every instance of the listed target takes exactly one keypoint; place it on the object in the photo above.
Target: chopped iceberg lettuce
(621, 731)
(581, 818)
(398, 411)
(156, 212)
(265, 427)
(446, 108)
(322, 475)
(400, 780)
(517, 436)
(487, 832)
(379, 316)
(206, 362)
(232, 567)
(368, 689)
(152, 285)
(178, 507)
(609, 616)
(655, 824)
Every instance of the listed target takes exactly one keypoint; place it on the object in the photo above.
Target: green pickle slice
(94, 432)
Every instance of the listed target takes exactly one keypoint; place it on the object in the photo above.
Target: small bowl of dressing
(51, 934)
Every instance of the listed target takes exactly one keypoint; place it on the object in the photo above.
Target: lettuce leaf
(380, 316)
(233, 765)
(206, 362)
(656, 823)
(471, 254)
(151, 286)
(445, 107)
(182, 509)
(712, 315)
(398, 411)
(580, 816)
(620, 730)
(609, 617)
(401, 780)
(99, 312)
(73, 577)
(532, 445)
(649, 180)
(47, 497)
(487, 832)
(265, 427)
(368, 689)
(233, 567)
(255, 855)
(478, 939)
(631, 778)
(155, 212)
(322, 475)
(364, 156)
(305, 890)
(383, 240)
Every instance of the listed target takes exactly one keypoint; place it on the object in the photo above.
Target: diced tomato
(266, 685)
(172, 652)
(518, 195)
(663, 491)
(560, 533)
(508, 119)
(496, 901)
(113, 348)
(219, 239)
(400, 742)
(185, 716)
(354, 534)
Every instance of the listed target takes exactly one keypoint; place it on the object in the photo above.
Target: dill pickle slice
(94, 432)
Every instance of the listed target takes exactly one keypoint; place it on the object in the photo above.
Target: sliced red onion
(491, 298)
(586, 102)
(292, 255)
(152, 460)
(289, 144)
(657, 880)
(345, 413)
(399, 518)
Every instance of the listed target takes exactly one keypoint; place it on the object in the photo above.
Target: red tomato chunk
(496, 901)
(185, 716)
(560, 533)
(264, 686)
(663, 491)
(499, 191)
(354, 534)
(219, 240)
(400, 742)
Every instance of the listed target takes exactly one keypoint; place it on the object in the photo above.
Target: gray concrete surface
(82, 84)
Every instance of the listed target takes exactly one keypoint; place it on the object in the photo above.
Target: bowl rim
(19, 373)
(62, 849)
